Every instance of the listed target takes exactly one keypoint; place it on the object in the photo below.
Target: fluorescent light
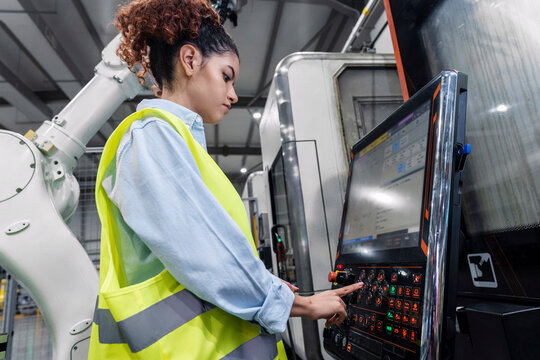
(257, 115)
(243, 170)
(502, 108)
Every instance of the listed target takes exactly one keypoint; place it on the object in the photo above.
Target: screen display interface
(385, 194)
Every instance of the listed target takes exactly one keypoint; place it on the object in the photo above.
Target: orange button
(372, 327)
(404, 333)
(414, 321)
(399, 304)
(397, 317)
(415, 307)
(405, 319)
(393, 277)
(408, 291)
(406, 305)
(417, 278)
(391, 303)
(412, 336)
(396, 330)
(416, 292)
(332, 276)
(372, 318)
(379, 325)
(400, 290)
(349, 347)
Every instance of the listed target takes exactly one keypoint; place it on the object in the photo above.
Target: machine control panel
(399, 229)
(384, 317)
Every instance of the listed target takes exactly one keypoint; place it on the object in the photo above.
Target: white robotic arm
(38, 194)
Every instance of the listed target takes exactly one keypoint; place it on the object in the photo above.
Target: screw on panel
(32, 166)
(22, 142)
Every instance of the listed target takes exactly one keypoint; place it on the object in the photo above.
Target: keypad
(388, 309)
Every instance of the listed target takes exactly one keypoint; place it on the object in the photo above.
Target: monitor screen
(386, 188)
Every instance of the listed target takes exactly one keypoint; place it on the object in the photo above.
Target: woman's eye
(226, 77)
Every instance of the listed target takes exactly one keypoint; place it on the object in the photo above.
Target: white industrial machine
(39, 194)
(318, 106)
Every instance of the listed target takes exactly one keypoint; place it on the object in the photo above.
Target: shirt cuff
(276, 308)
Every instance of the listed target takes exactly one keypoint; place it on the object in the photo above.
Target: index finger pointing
(348, 289)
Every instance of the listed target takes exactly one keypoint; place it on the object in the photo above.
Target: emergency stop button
(332, 276)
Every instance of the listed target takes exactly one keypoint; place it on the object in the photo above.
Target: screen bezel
(410, 254)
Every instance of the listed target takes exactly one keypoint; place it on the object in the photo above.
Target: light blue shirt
(177, 223)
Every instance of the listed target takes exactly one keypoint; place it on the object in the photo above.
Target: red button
(393, 277)
(417, 278)
(399, 304)
(412, 336)
(415, 307)
(379, 325)
(405, 319)
(406, 305)
(378, 301)
(408, 291)
(396, 330)
(332, 276)
(391, 303)
(414, 321)
(400, 290)
(404, 333)
(380, 277)
(397, 317)
(416, 292)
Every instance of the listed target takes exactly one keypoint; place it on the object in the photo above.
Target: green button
(389, 329)
(392, 290)
(390, 316)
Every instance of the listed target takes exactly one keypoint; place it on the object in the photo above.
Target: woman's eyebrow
(233, 72)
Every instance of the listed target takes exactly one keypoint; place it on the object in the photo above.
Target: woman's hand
(326, 305)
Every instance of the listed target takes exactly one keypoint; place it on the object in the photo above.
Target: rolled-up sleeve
(163, 199)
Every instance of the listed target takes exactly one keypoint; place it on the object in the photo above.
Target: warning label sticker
(482, 271)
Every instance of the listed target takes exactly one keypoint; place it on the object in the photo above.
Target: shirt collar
(192, 120)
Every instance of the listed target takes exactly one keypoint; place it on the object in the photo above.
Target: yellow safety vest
(158, 318)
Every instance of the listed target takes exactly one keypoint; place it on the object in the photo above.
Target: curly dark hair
(154, 30)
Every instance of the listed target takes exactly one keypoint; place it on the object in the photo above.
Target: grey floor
(31, 339)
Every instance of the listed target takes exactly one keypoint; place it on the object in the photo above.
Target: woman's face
(211, 89)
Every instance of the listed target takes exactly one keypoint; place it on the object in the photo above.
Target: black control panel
(384, 317)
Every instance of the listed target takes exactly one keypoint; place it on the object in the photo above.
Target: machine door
(280, 231)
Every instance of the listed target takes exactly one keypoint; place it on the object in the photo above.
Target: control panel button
(337, 339)
(397, 318)
(372, 327)
(408, 291)
(371, 275)
(332, 276)
(394, 277)
(379, 325)
(400, 291)
(414, 321)
(405, 319)
(393, 290)
(354, 318)
(390, 315)
(372, 318)
(362, 275)
(412, 335)
(361, 319)
(389, 329)
(366, 321)
(399, 304)
(415, 307)
(378, 301)
(397, 330)
(369, 298)
(404, 333)
(406, 305)
(384, 288)
(374, 287)
(381, 276)
(416, 292)
(417, 278)
(391, 303)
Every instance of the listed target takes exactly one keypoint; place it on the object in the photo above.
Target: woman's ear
(190, 59)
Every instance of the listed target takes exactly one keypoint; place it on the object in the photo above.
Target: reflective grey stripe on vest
(148, 326)
(262, 347)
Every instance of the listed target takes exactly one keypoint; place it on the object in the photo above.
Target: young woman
(179, 275)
